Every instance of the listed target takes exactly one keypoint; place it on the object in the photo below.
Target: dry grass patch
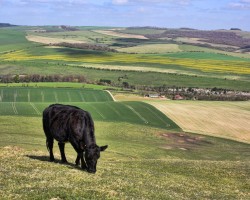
(152, 48)
(121, 35)
(50, 40)
(222, 119)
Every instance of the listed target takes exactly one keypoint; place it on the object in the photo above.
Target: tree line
(42, 78)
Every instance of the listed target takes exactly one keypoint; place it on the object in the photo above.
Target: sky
(198, 14)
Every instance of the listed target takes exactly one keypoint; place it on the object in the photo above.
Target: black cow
(67, 123)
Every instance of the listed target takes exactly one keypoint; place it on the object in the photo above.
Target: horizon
(201, 15)
(156, 27)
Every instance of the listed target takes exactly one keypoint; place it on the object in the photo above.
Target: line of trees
(42, 78)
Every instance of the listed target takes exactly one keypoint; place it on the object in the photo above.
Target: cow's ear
(103, 148)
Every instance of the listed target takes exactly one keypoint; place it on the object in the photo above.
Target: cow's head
(92, 153)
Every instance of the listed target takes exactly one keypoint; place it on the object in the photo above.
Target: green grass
(29, 94)
(134, 77)
(139, 163)
(13, 40)
(206, 55)
(130, 112)
(59, 85)
(32, 101)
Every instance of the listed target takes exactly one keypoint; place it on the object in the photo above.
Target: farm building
(178, 97)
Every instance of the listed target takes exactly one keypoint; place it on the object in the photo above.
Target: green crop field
(32, 101)
(22, 94)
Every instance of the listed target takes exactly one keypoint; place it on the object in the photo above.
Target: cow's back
(67, 123)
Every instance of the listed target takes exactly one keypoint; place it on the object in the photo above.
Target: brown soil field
(221, 119)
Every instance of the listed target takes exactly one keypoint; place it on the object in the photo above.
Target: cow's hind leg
(61, 147)
(49, 143)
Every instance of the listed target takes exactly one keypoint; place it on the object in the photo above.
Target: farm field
(196, 62)
(134, 77)
(32, 101)
(160, 56)
(28, 94)
(58, 85)
(219, 119)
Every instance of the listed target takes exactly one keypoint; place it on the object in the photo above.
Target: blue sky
(200, 14)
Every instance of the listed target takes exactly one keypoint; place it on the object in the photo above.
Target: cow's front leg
(61, 147)
(83, 163)
(80, 156)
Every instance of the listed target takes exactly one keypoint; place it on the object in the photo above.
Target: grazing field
(220, 119)
(141, 162)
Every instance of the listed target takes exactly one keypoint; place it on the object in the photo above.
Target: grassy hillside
(140, 162)
(12, 39)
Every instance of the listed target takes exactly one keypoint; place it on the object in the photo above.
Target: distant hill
(6, 25)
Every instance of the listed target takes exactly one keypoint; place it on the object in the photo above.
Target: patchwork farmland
(149, 156)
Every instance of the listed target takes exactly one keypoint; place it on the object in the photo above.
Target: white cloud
(242, 5)
(120, 2)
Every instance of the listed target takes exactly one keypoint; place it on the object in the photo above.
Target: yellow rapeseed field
(204, 65)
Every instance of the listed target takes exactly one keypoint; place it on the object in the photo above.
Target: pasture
(141, 163)
(148, 156)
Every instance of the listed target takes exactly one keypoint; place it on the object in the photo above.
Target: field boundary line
(138, 114)
(98, 112)
(168, 125)
(69, 96)
(110, 95)
(114, 110)
(81, 96)
(35, 108)
(56, 98)
(14, 108)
